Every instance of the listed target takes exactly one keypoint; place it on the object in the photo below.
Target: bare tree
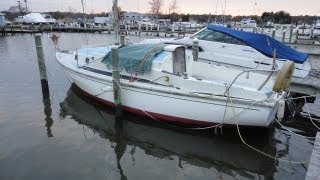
(173, 7)
(155, 7)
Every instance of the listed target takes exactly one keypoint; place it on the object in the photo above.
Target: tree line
(157, 8)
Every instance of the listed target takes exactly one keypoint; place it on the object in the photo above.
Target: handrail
(247, 71)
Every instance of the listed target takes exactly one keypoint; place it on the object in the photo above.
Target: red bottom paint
(164, 117)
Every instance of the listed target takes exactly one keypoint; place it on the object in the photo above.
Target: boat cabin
(179, 66)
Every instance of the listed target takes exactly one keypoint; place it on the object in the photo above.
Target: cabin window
(179, 61)
(210, 35)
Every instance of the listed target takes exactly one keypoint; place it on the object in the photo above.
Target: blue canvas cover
(263, 43)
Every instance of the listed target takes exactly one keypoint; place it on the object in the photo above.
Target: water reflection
(47, 106)
(224, 153)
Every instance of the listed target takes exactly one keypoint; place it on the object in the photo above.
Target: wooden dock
(314, 165)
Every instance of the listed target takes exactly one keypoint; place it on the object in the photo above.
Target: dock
(314, 164)
(32, 29)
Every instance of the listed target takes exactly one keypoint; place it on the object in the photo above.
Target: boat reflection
(225, 152)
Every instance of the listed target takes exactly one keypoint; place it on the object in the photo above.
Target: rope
(257, 150)
(276, 120)
(247, 71)
(302, 97)
(307, 107)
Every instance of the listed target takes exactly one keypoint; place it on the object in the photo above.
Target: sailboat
(160, 142)
(166, 82)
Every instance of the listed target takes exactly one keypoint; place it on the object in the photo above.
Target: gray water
(63, 134)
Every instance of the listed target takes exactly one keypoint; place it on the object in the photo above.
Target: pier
(311, 83)
(30, 29)
(314, 164)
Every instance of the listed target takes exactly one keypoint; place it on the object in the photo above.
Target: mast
(84, 23)
(115, 11)
(215, 18)
(26, 2)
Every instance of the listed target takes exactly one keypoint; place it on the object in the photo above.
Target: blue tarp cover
(263, 43)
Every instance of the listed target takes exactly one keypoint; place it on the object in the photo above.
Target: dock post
(297, 36)
(311, 32)
(273, 33)
(122, 42)
(314, 164)
(40, 56)
(283, 36)
(195, 50)
(44, 84)
(158, 30)
(291, 33)
(116, 82)
(304, 26)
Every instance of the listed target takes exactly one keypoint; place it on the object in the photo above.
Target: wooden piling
(304, 26)
(314, 164)
(116, 82)
(40, 56)
(44, 84)
(122, 40)
(291, 33)
(195, 50)
(283, 36)
(273, 33)
(311, 32)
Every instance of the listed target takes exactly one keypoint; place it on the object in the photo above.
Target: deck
(314, 165)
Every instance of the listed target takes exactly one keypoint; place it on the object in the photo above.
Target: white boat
(186, 26)
(2, 20)
(173, 87)
(170, 143)
(247, 23)
(223, 49)
(303, 30)
(317, 24)
(147, 24)
(49, 19)
(32, 18)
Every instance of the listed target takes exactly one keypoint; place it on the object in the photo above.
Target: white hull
(171, 104)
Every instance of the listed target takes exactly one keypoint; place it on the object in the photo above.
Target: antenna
(215, 18)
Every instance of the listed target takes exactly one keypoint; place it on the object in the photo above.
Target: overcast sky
(234, 7)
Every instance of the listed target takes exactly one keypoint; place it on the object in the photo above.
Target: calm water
(66, 135)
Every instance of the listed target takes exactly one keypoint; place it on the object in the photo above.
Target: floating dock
(311, 84)
(314, 164)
